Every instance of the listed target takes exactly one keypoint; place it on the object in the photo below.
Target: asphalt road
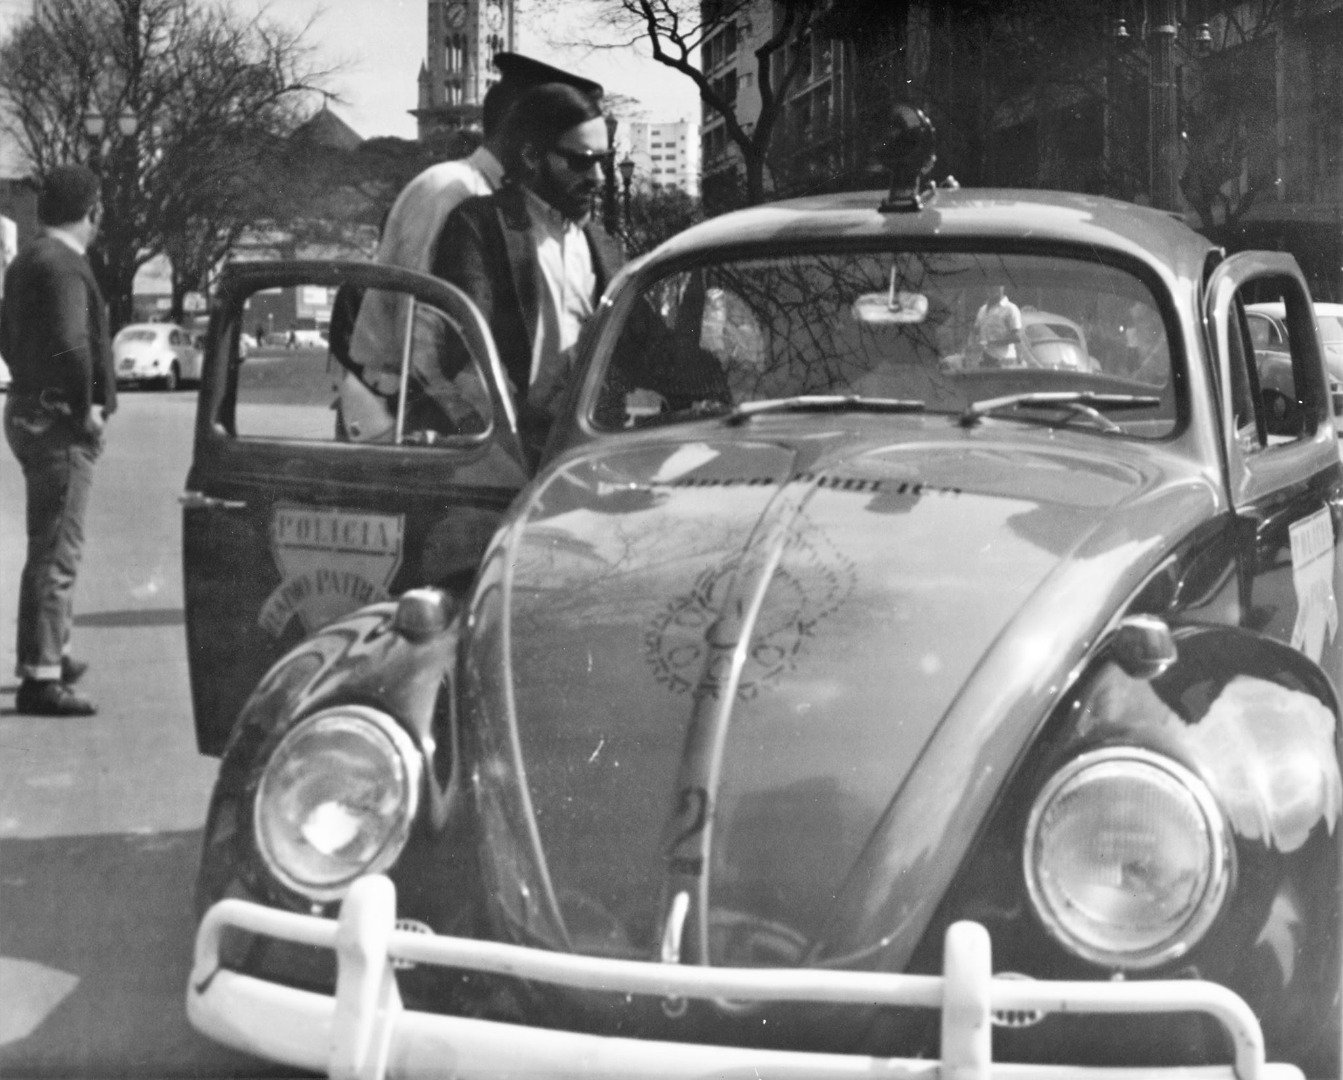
(100, 817)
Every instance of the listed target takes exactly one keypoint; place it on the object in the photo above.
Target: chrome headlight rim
(1219, 870)
(399, 748)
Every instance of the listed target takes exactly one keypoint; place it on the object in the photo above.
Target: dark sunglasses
(581, 161)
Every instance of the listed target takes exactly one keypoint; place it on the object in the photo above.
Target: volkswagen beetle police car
(815, 705)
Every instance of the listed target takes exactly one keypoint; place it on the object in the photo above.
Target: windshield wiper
(824, 403)
(1086, 403)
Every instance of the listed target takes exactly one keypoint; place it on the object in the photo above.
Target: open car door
(337, 469)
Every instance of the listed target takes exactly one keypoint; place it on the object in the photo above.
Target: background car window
(355, 384)
(1264, 332)
(896, 325)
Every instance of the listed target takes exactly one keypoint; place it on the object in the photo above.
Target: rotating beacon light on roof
(910, 152)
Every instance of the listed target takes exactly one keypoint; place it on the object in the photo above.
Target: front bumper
(363, 1031)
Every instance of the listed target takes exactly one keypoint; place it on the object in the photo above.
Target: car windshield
(945, 329)
(136, 335)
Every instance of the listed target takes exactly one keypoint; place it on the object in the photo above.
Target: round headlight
(337, 800)
(1126, 857)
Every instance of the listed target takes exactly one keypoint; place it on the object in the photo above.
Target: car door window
(1282, 368)
(391, 371)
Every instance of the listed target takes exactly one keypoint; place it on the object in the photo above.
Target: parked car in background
(811, 706)
(4, 374)
(307, 333)
(1048, 340)
(155, 354)
(1268, 330)
(1054, 341)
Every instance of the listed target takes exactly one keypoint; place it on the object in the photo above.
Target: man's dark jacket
(53, 330)
(487, 251)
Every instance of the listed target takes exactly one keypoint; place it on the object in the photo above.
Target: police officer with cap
(409, 235)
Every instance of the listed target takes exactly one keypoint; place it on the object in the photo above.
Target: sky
(381, 44)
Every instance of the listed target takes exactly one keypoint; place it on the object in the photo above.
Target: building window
(454, 53)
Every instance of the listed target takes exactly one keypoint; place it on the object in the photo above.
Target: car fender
(362, 658)
(1250, 710)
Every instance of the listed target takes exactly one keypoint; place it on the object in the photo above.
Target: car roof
(1154, 236)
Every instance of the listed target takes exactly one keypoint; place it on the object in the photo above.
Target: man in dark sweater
(53, 334)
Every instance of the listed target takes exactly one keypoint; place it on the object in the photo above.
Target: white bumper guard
(363, 1033)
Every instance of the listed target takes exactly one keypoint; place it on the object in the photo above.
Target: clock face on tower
(494, 15)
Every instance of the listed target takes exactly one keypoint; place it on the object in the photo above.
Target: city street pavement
(100, 817)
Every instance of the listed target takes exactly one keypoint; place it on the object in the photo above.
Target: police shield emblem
(331, 562)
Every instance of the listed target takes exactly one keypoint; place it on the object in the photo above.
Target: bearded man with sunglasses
(530, 255)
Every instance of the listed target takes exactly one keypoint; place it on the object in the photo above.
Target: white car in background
(1268, 332)
(1268, 329)
(4, 374)
(1054, 341)
(158, 354)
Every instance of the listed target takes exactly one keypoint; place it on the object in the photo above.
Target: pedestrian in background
(997, 330)
(53, 332)
(530, 256)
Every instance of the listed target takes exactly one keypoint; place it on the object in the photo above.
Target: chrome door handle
(194, 500)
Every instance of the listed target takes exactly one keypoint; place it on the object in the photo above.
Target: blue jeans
(57, 461)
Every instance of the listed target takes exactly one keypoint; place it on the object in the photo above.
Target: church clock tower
(464, 35)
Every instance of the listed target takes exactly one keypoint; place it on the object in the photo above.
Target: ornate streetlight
(1162, 39)
(95, 125)
(109, 257)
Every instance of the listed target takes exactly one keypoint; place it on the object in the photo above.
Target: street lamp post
(95, 124)
(1162, 39)
(1165, 193)
(110, 258)
(626, 176)
(609, 176)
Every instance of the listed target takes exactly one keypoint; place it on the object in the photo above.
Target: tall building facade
(1225, 110)
(665, 155)
(463, 38)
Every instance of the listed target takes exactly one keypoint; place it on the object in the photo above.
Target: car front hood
(710, 668)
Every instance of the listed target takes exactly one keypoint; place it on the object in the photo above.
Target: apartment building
(665, 154)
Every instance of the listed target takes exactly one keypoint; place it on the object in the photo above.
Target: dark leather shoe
(72, 670)
(47, 697)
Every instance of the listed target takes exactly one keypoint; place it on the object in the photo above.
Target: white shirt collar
(489, 166)
(67, 238)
